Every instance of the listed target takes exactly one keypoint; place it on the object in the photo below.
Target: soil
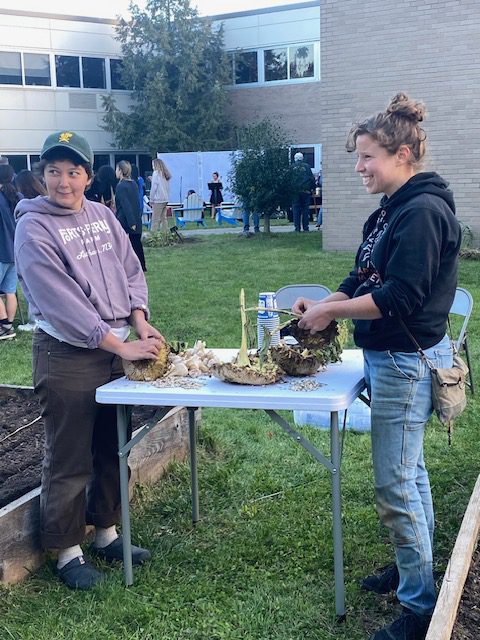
(21, 446)
(467, 624)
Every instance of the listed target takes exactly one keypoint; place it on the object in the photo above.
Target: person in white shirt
(159, 192)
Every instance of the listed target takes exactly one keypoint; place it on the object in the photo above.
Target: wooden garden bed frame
(450, 594)
(20, 551)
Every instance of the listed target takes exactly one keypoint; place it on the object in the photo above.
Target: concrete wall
(29, 114)
(370, 51)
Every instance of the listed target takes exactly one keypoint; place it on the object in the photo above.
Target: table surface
(340, 384)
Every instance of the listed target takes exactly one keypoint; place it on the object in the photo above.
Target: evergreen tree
(176, 67)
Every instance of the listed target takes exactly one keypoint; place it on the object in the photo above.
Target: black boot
(384, 581)
(409, 626)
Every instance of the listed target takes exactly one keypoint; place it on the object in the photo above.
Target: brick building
(314, 67)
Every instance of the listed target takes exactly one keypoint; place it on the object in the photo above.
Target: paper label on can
(267, 300)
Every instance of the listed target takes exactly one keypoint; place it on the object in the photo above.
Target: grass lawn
(211, 223)
(260, 563)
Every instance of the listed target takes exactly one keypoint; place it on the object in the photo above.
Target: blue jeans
(400, 390)
(301, 211)
(246, 221)
(8, 277)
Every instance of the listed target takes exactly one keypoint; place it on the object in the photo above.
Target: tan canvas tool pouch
(448, 390)
(448, 386)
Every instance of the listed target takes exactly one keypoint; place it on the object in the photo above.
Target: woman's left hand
(142, 328)
(316, 318)
(147, 331)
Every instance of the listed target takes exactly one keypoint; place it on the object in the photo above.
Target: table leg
(337, 518)
(122, 422)
(192, 432)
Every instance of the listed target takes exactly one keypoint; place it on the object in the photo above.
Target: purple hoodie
(77, 269)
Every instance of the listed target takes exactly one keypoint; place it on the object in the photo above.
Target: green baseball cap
(68, 140)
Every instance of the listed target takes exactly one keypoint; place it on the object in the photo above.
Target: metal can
(267, 303)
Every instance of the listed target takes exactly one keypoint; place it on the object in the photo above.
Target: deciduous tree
(261, 176)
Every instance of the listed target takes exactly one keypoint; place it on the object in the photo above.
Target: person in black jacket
(128, 208)
(8, 273)
(304, 182)
(405, 268)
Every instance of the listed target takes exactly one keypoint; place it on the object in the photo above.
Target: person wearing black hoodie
(405, 268)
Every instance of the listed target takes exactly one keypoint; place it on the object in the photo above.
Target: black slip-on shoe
(114, 551)
(7, 334)
(384, 581)
(409, 626)
(79, 574)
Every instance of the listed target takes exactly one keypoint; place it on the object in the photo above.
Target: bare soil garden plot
(467, 625)
(21, 441)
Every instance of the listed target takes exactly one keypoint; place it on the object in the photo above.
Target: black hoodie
(408, 262)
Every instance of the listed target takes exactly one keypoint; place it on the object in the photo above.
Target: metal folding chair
(462, 306)
(287, 295)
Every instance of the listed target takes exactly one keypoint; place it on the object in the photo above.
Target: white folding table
(341, 384)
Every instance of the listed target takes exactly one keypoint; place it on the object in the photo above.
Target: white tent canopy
(193, 170)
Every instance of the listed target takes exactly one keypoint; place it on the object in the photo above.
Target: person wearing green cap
(85, 289)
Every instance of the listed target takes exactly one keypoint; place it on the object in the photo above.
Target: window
(99, 159)
(129, 157)
(301, 61)
(34, 160)
(37, 69)
(289, 63)
(10, 68)
(116, 70)
(144, 163)
(246, 67)
(93, 70)
(308, 155)
(68, 71)
(275, 63)
(279, 64)
(17, 162)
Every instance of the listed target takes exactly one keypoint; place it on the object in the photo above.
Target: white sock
(103, 537)
(68, 554)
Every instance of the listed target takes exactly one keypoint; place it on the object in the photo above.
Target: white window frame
(261, 65)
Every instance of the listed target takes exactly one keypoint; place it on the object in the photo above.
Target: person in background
(216, 197)
(319, 194)
(159, 195)
(29, 186)
(9, 198)
(246, 223)
(128, 208)
(405, 270)
(304, 182)
(136, 177)
(107, 184)
(86, 290)
(93, 192)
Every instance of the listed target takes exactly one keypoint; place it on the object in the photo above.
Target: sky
(107, 9)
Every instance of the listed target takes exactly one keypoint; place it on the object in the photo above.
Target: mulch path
(21, 441)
